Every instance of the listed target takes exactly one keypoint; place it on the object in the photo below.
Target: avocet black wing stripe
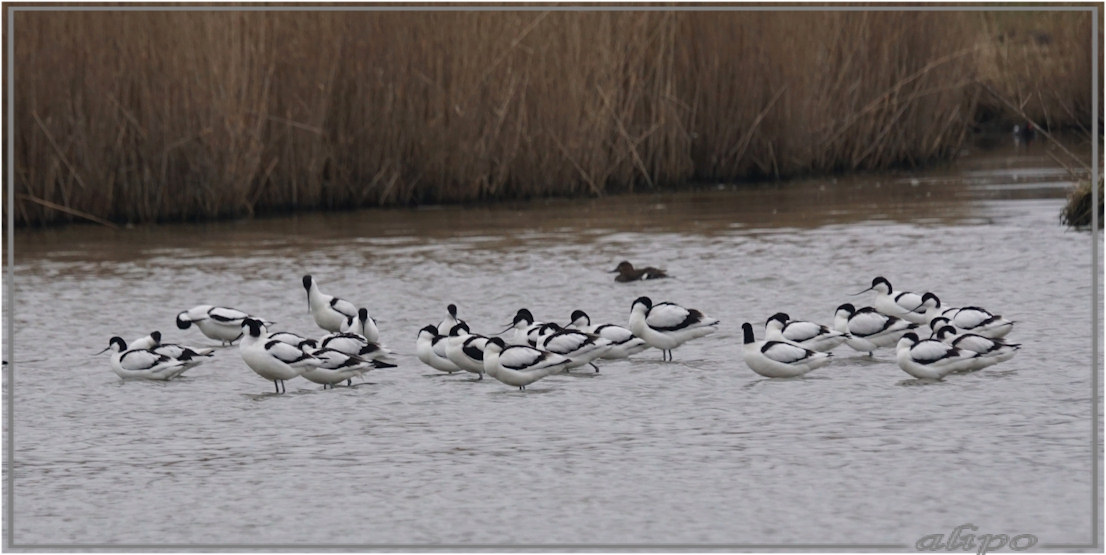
(785, 352)
(343, 306)
(141, 360)
(226, 315)
(284, 352)
(517, 357)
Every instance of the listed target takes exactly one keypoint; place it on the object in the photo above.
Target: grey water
(699, 451)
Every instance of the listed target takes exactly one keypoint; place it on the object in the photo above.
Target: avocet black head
(747, 330)
(578, 315)
(116, 343)
(457, 329)
(431, 328)
(848, 308)
(523, 315)
(877, 282)
(646, 301)
(156, 335)
(498, 342)
(909, 336)
(929, 296)
(944, 332)
(452, 308)
(253, 325)
(781, 317)
(182, 323)
(307, 282)
(363, 314)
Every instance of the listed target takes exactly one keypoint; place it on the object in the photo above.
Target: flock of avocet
(931, 341)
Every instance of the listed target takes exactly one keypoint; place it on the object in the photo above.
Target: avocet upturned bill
(466, 349)
(520, 365)
(335, 367)
(904, 304)
(626, 272)
(623, 341)
(450, 320)
(357, 345)
(329, 311)
(868, 328)
(930, 359)
(430, 349)
(216, 322)
(142, 363)
(970, 318)
(580, 347)
(667, 325)
(811, 335)
(779, 359)
(363, 324)
(991, 349)
(272, 359)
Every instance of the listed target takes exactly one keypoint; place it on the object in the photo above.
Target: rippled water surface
(696, 451)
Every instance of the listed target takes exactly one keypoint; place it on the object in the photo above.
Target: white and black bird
(363, 324)
(142, 363)
(667, 325)
(811, 335)
(580, 347)
(902, 304)
(466, 349)
(623, 341)
(335, 367)
(520, 365)
(329, 312)
(779, 358)
(430, 349)
(971, 319)
(221, 323)
(990, 350)
(930, 359)
(868, 328)
(272, 359)
(357, 345)
(295, 339)
(521, 328)
(191, 356)
(450, 320)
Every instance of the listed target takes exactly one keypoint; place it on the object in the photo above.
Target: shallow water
(700, 451)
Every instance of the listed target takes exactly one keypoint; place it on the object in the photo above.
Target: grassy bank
(146, 116)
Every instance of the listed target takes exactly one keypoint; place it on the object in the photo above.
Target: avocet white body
(623, 341)
(328, 311)
(520, 365)
(868, 328)
(779, 358)
(667, 325)
(811, 335)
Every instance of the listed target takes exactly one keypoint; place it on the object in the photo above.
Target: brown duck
(627, 272)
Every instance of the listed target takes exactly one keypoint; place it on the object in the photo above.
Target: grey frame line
(9, 296)
(1096, 309)
(9, 304)
(551, 8)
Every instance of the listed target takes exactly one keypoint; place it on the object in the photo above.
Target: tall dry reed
(148, 116)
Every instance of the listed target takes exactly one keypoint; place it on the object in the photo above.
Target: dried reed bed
(154, 116)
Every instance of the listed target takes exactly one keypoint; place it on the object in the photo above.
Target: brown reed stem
(66, 209)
